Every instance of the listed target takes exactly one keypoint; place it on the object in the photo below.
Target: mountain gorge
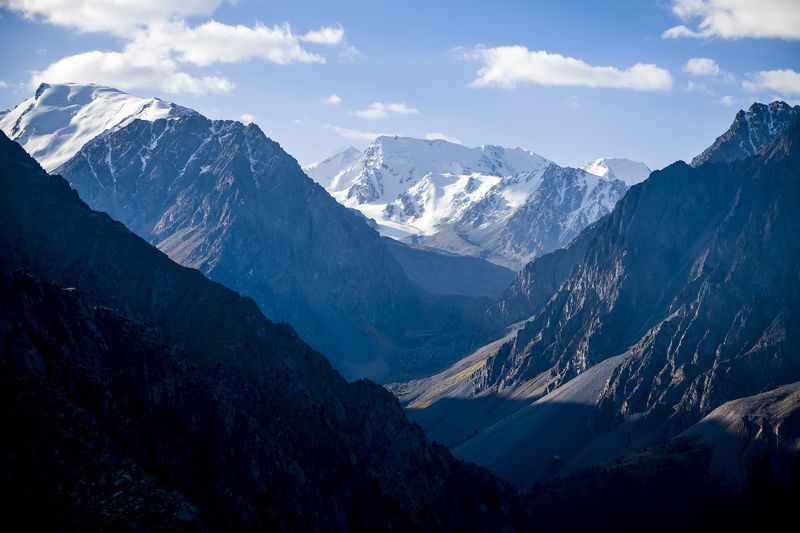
(139, 395)
(683, 298)
(633, 329)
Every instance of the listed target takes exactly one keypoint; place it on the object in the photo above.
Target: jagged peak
(750, 133)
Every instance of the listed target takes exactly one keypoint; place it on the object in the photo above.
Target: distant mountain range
(507, 205)
(684, 298)
(140, 396)
(642, 362)
(221, 197)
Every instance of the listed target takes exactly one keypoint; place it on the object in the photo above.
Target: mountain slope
(750, 133)
(438, 272)
(539, 280)
(146, 395)
(221, 197)
(58, 120)
(690, 285)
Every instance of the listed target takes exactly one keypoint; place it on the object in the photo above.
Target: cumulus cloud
(701, 66)
(357, 135)
(3, 84)
(785, 81)
(247, 118)
(333, 100)
(214, 42)
(736, 19)
(324, 36)
(130, 69)
(435, 135)
(159, 45)
(726, 100)
(108, 16)
(510, 66)
(380, 110)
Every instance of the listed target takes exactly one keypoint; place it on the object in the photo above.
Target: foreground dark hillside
(137, 395)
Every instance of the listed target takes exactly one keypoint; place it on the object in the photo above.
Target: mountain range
(176, 310)
(683, 298)
(220, 196)
(507, 205)
(139, 395)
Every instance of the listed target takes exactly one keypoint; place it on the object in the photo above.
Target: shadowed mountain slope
(221, 197)
(691, 286)
(142, 395)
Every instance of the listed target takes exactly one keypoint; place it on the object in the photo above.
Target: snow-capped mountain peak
(390, 165)
(504, 204)
(59, 119)
(631, 172)
(323, 172)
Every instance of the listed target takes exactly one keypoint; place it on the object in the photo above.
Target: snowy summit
(59, 119)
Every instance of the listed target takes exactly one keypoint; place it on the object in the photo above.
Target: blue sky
(477, 72)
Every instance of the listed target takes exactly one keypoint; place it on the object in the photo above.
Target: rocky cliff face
(141, 395)
(538, 281)
(751, 132)
(685, 298)
(221, 197)
(694, 268)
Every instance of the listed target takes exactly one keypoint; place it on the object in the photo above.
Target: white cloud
(509, 66)
(701, 66)
(736, 19)
(324, 36)
(357, 135)
(333, 100)
(214, 42)
(108, 16)
(380, 110)
(128, 70)
(434, 135)
(351, 53)
(786, 81)
(132, 68)
(3, 84)
(726, 100)
(159, 45)
(247, 118)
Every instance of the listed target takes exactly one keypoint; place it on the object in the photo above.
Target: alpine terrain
(139, 395)
(684, 298)
(220, 196)
(505, 205)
